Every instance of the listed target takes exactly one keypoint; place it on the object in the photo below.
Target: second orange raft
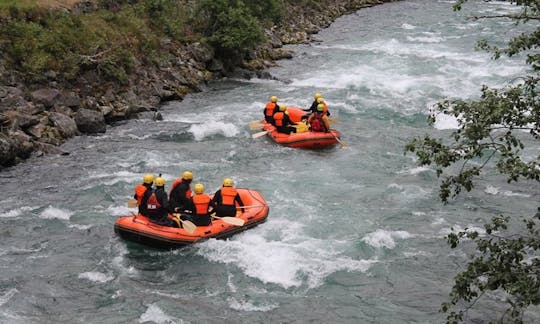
(311, 140)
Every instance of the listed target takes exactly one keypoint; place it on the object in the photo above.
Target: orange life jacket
(278, 118)
(176, 183)
(153, 202)
(227, 195)
(201, 202)
(269, 109)
(139, 192)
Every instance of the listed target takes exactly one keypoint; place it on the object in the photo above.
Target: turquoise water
(354, 235)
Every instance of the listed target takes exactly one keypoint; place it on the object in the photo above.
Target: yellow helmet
(187, 175)
(282, 108)
(320, 100)
(273, 99)
(148, 178)
(316, 96)
(198, 188)
(320, 107)
(160, 182)
(227, 182)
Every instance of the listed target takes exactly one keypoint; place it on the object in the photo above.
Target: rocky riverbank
(36, 118)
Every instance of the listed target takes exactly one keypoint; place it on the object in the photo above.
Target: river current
(354, 234)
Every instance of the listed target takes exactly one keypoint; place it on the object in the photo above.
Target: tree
(230, 27)
(493, 132)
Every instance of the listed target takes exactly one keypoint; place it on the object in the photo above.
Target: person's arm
(239, 201)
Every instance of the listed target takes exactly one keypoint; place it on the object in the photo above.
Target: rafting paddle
(187, 225)
(259, 134)
(255, 125)
(230, 220)
(132, 203)
(343, 144)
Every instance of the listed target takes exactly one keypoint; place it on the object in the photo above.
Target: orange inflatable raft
(137, 228)
(311, 140)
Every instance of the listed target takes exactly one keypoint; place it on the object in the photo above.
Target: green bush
(230, 26)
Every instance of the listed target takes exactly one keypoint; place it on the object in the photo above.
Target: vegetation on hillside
(494, 132)
(110, 38)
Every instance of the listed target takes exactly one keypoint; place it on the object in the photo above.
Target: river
(354, 234)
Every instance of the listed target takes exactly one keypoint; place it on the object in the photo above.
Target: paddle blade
(255, 125)
(333, 120)
(343, 144)
(233, 221)
(132, 203)
(188, 226)
(259, 134)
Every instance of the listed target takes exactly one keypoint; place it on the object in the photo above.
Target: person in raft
(318, 121)
(157, 204)
(202, 203)
(313, 109)
(141, 189)
(180, 194)
(225, 199)
(270, 109)
(314, 104)
(283, 121)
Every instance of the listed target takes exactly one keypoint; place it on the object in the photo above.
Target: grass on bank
(38, 39)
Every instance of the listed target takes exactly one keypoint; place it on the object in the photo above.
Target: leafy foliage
(494, 131)
(230, 26)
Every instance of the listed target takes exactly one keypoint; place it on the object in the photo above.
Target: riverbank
(39, 113)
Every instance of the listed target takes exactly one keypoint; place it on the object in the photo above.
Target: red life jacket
(227, 195)
(201, 203)
(317, 124)
(269, 109)
(139, 192)
(153, 203)
(278, 118)
(176, 183)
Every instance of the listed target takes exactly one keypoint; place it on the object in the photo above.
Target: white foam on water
(457, 228)
(414, 171)
(209, 128)
(289, 261)
(383, 238)
(426, 39)
(492, 190)
(155, 314)
(96, 276)
(16, 212)
(120, 210)
(80, 227)
(4, 298)
(248, 306)
(443, 121)
(55, 213)
(408, 26)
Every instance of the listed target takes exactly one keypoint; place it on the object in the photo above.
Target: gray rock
(46, 96)
(21, 120)
(69, 99)
(65, 124)
(202, 52)
(7, 151)
(90, 121)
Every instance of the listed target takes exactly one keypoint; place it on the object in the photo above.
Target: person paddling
(318, 121)
(201, 203)
(141, 189)
(283, 121)
(157, 205)
(270, 109)
(226, 198)
(180, 194)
